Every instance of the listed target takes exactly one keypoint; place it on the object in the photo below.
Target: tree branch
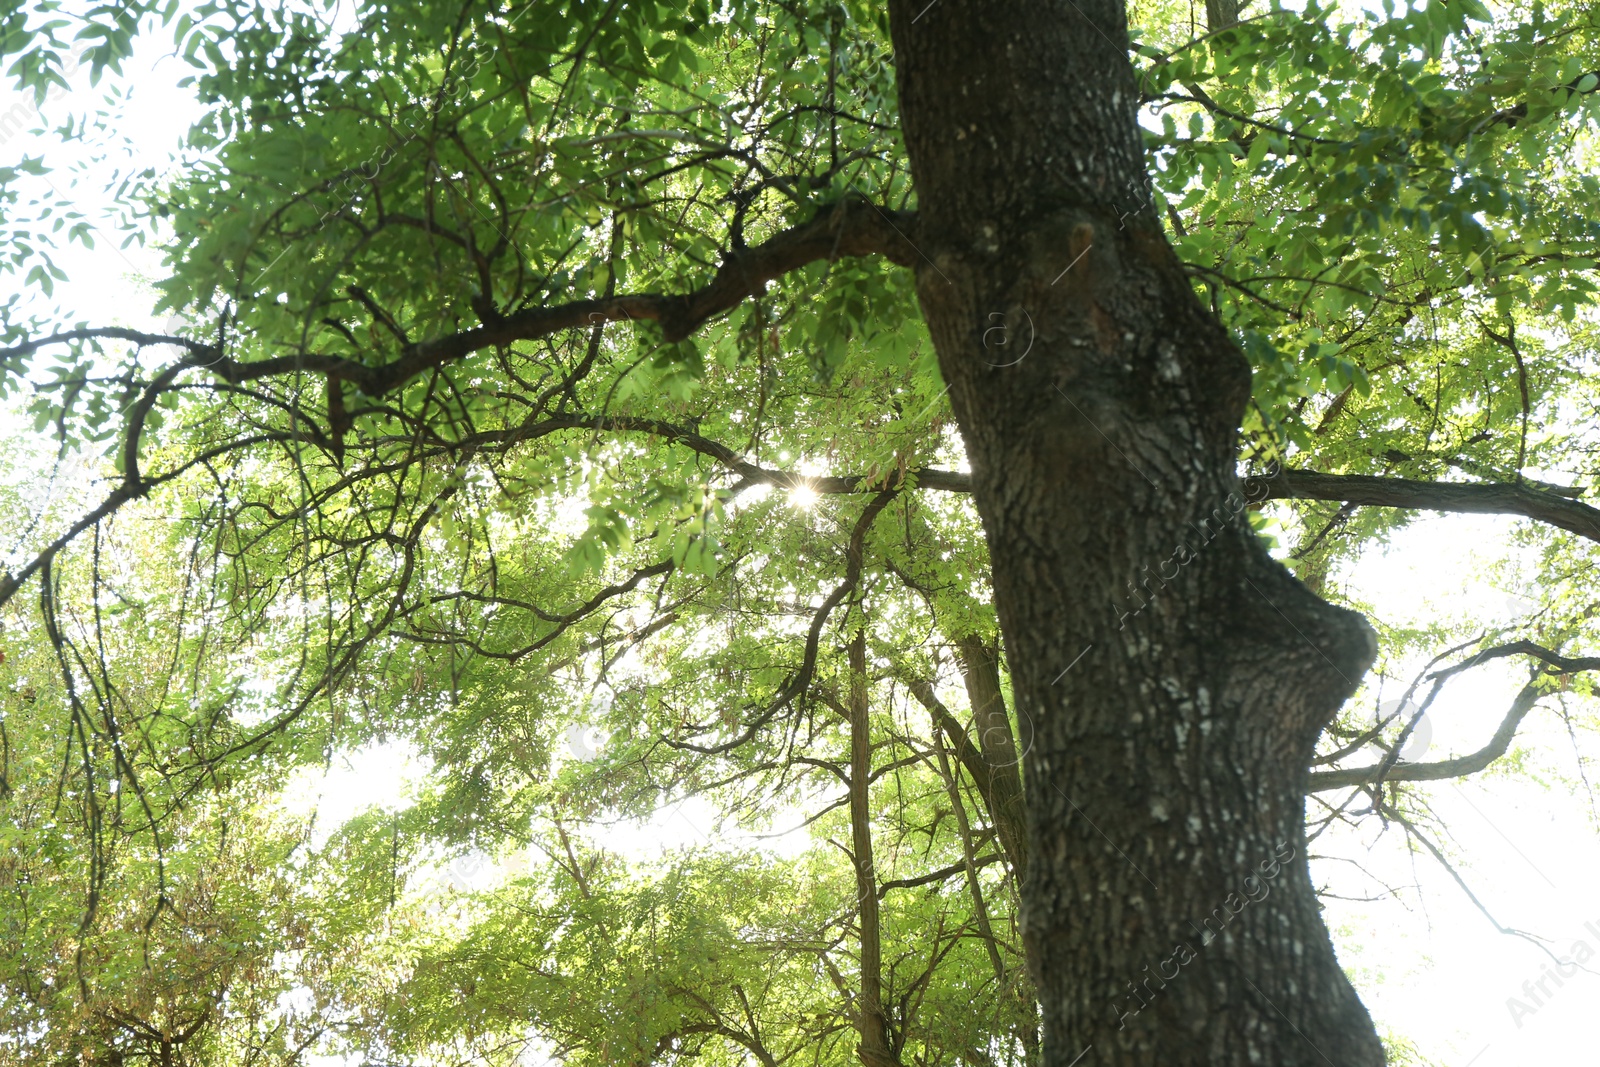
(1390, 771)
(800, 681)
(1459, 767)
(852, 227)
(1483, 498)
(749, 473)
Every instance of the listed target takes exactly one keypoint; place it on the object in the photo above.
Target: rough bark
(1220, 14)
(1176, 678)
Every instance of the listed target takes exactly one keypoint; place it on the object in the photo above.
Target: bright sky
(1429, 965)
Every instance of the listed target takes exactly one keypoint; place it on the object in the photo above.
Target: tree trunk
(1220, 14)
(980, 670)
(872, 1025)
(1028, 1034)
(1175, 676)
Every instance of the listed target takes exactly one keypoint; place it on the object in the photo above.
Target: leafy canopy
(554, 376)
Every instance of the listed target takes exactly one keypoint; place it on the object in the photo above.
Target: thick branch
(749, 473)
(1484, 498)
(851, 228)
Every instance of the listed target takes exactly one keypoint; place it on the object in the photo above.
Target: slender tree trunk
(876, 1047)
(980, 669)
(1175, 676)
(969, 856)
(1028, 1033)
(1009, 819)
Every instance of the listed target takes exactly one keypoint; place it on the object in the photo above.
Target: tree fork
(1176, 677)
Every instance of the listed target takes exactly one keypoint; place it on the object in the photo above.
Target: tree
(739, 177)
(357, 945)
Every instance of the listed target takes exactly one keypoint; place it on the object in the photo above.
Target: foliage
(377, 505)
